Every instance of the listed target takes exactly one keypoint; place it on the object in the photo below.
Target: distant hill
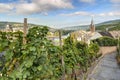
(111, 25)
(3, 24)
(110, 22)
(15, 24)
(81, 27)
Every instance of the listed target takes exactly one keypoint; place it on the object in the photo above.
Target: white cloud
(102, 14)
(112, 14)
(87, 1)
(109, 14)
(36, 6)
(43, 6)
(34, 19)
(83, 13)
(26, 8)
(5, 7)
(48, 4)
(116, 4)
(80, 13)
(115, 1)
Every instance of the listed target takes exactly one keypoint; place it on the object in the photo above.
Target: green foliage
(39, 59)
(81, 45)
(94, 47)
(78, 55)
(106, 41)
(36, 33)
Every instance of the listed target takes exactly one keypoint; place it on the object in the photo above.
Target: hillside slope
(111, 25)
(17, 24)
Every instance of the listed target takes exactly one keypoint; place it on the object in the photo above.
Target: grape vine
(39, 59)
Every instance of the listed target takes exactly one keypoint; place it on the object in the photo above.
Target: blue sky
(59, 13)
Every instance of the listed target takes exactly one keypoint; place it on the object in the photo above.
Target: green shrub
(106, 41)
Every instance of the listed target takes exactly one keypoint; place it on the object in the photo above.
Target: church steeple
(92, 26)
(92, 21)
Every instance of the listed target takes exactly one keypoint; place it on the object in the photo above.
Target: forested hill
(15, 24)
(112, 25)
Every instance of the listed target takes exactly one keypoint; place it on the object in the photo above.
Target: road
(106, 69)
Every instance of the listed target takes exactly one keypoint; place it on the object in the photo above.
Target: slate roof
(106, 34)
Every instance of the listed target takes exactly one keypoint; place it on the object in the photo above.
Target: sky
(59, 13)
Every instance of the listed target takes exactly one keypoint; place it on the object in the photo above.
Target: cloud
(42, 6)
(115, 1)
(26, 8)
(102, 14)
(84, 13)
(36, 6)
(34, 20)
(79, 13)
(109, 14)
(5, 7)
(87, 1)
(48, 4)
(116, 4)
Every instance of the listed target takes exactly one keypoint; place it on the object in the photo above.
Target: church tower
(92, 26)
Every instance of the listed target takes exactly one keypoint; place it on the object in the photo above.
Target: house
(95, 36)
(115, 34)
(8, 28)
(86, 36)
(55, 39)
(15, 29)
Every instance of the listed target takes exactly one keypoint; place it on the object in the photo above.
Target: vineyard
(39, 59)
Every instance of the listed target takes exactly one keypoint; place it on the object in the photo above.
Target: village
(79, 35)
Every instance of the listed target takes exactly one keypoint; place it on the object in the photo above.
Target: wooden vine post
(60, 39)
(25, 30)
(62, 57)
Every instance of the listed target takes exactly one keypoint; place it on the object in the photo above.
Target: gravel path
(106, 69)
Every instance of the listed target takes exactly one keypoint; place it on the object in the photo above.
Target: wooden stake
(25, 30)
(62, 57)
(60, 39)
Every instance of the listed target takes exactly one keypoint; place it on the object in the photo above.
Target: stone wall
(107, 49)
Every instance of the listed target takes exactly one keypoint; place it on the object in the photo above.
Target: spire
(92, 26)
(92, 21)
